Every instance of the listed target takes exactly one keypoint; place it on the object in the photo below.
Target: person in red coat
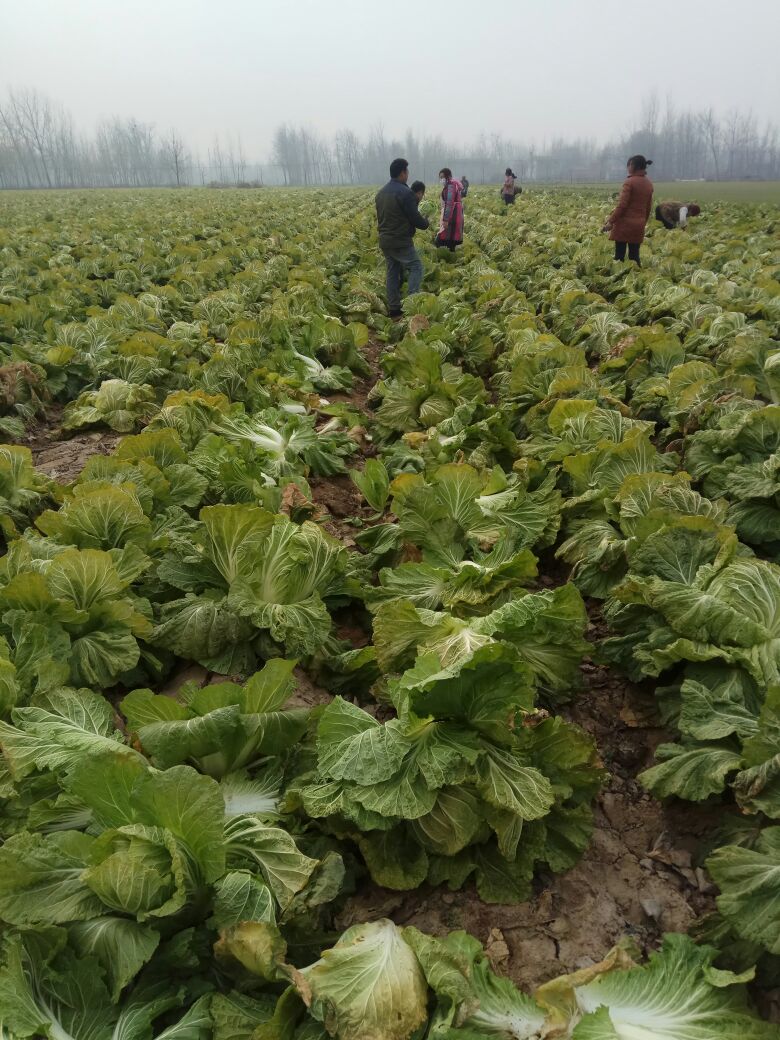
(626, 222)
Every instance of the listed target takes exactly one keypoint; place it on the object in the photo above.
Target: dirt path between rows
(336, 497)
(63, 458)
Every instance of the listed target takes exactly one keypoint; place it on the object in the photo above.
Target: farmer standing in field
(398, 217)
(451, 223)
(675, 214)
(626, 222)
(508, 187)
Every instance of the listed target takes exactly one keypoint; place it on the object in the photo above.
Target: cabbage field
(382, 680)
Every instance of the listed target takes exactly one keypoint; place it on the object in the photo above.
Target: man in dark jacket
(398, 218)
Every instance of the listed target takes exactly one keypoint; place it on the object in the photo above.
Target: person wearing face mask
(451, 223)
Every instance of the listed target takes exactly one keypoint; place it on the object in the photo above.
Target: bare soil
(61, 457)
(307, 694)
(361, 388)
(336, 498)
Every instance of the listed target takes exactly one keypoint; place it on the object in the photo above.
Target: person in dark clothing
(633, 252)
(398, 217)
(465, 186)
(418, 189)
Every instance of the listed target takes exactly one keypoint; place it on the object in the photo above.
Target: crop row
(171, 864)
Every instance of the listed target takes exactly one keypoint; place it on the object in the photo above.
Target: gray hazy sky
(529, 69)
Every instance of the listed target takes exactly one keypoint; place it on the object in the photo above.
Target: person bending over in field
(398, 218)
(626, 222)
(451, 223)
(675, 214)
(508, 187)
(418, 190)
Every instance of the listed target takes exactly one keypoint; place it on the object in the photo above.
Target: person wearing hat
(675, 214)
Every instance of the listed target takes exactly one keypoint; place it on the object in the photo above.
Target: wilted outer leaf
(257, 945)
(369, 986)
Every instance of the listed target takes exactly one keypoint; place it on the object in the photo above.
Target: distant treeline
(40, 147)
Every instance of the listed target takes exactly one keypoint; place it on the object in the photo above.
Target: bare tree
(648, 121)
(217, 161)
(35, 118)
(40, 147)
(177, 154)
(711, 129)
(347, 147)
(28, 118)
(15, 148)
(283, 146)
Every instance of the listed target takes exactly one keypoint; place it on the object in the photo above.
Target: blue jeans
(396, 260)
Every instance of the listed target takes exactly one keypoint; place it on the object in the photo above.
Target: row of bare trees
(692, 144)
(304, 157)
(41, 148)
(684, 145)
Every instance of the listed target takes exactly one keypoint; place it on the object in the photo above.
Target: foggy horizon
(458, 72)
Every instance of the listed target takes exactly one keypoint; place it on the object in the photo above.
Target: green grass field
(721, 191)
(700, 191)
(767, 192)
